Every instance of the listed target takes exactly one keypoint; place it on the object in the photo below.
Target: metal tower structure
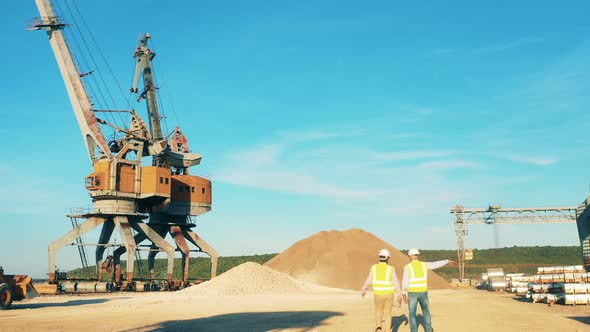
(583, 223)
(496, 215)
(460, 231)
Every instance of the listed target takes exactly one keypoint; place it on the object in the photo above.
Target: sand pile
(252, 278)
(341, 259)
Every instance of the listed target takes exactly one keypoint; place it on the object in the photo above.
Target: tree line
(512, 259)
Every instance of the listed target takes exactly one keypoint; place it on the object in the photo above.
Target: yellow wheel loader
(15, 288)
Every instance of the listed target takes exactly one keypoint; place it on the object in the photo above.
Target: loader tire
(6, 296)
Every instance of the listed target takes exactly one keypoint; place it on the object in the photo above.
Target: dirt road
(452, 310)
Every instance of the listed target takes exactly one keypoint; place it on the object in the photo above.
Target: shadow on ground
(522, 299)
(19, 305)
(248, 321)
(581, 319)
(398, 321)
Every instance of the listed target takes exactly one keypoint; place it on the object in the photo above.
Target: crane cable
(101, 54)
(80, 61)
(93, 47)
(158, 96)
(99, 72)
(169, 96)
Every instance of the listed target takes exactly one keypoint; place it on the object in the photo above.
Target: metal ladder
(80, 245)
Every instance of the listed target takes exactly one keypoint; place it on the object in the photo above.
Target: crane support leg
(159, 241)
(583, 223)
(160, 230)
(205, 247)
(460, 231)
(105, 236)
(69, 238)
(146, 232)
(140, 236)
(180, 240)
(127, 237)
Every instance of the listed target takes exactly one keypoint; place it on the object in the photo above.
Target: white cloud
(423, 111)
(291, 181)
(314, 135)
(437, 230)
(441, 165)
(23, 193)
(413, 113)
(409, 155)
(508, 45)
(442, 51)
(532, 160)
(339, 172)
(261, 155)
(402, 135)
(263, 167)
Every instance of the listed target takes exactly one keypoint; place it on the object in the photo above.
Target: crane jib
(91, 132)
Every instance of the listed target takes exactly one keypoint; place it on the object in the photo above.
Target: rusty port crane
(142, 203)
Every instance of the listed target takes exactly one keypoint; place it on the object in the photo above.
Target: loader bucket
(22, 286)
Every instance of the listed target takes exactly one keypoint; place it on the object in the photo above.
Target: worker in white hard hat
(386, 289)
(415, 287)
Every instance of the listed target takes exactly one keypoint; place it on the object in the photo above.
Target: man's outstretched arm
(439, 264)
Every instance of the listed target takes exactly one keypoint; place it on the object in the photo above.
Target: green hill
(512, 259)
(199, 267)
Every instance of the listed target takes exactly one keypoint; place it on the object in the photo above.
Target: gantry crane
(124, 192)
(495, 214)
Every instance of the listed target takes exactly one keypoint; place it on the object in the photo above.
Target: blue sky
(318, 115)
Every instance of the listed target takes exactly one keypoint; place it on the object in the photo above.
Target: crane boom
(499, 215)
(91, 132)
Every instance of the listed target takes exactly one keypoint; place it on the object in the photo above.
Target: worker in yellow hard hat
(385, 288)
(415, 287)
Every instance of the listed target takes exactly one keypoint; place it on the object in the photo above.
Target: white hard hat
(384, 253)
(413, 252)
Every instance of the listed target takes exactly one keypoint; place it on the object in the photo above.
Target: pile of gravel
(341, 259)
(249, 279)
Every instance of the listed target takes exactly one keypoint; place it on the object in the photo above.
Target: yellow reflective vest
(418, 277)
(382, 280)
